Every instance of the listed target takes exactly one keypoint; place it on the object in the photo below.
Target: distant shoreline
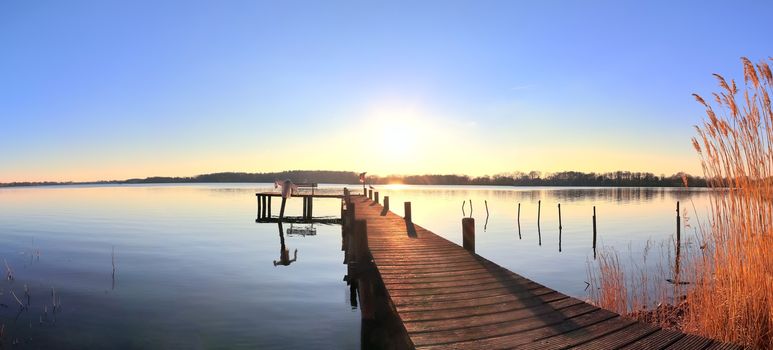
(531, 179)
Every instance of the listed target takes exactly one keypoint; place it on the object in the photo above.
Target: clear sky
(119, 89)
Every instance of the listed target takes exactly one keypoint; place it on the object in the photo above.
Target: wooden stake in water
(559, 227)
(539, 232)
(594, 232)
(519, 221)
(559, 216)
(678, 226)
(485, 225)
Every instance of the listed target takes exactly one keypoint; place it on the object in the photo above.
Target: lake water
(193, 270)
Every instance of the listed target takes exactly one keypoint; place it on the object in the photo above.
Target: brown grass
(730, 297)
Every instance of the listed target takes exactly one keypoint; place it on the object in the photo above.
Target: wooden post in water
(269, 206)
(386, 203)
(519, 221)
(407, 211)
(678, 225)
(539, 232)
(370, 194)
(263, 208)
(539, 205)
(305, 207)
(375, 196)
(257, 196)
(559, 216)
(594, 231)
(468, 234)
(311, 207)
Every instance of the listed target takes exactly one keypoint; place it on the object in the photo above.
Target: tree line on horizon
(532, 178)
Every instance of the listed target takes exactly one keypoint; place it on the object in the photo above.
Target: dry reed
(730, 292)
(733, 296)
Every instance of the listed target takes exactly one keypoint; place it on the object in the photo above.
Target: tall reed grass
(730, 295)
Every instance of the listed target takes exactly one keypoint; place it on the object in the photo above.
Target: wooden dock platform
(447, 297)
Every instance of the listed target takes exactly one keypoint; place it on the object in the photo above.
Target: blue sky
(111, 90)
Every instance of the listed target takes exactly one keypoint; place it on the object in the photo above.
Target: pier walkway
(447, 297)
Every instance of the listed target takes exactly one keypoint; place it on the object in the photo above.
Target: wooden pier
(447, 297)
(264, 206)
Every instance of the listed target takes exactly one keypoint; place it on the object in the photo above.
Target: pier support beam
(407, 211)
(468, 234)
(386, 203)
(370, 194)
(263, 207)
(257, 197)
(375, 197)
(269, 206)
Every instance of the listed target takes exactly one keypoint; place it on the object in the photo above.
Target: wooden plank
(656, 341)
(690, 341)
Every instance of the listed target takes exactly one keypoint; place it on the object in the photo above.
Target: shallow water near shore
(194, 270)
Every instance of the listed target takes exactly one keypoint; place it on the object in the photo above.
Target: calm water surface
(193, 270)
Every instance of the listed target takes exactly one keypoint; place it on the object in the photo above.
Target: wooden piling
(257, 196)
(539, 205)
(305, 207)
(375, 196)
(594, 230)
(263, 208)
(678, 225)
(519, 221)
(407, 211)
(559, 216)
(386, 203)
(468, 234)
(269, 206)
(360, 242)
(370, 194)
(311, 207)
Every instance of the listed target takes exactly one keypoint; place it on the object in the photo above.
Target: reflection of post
(468, 234)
